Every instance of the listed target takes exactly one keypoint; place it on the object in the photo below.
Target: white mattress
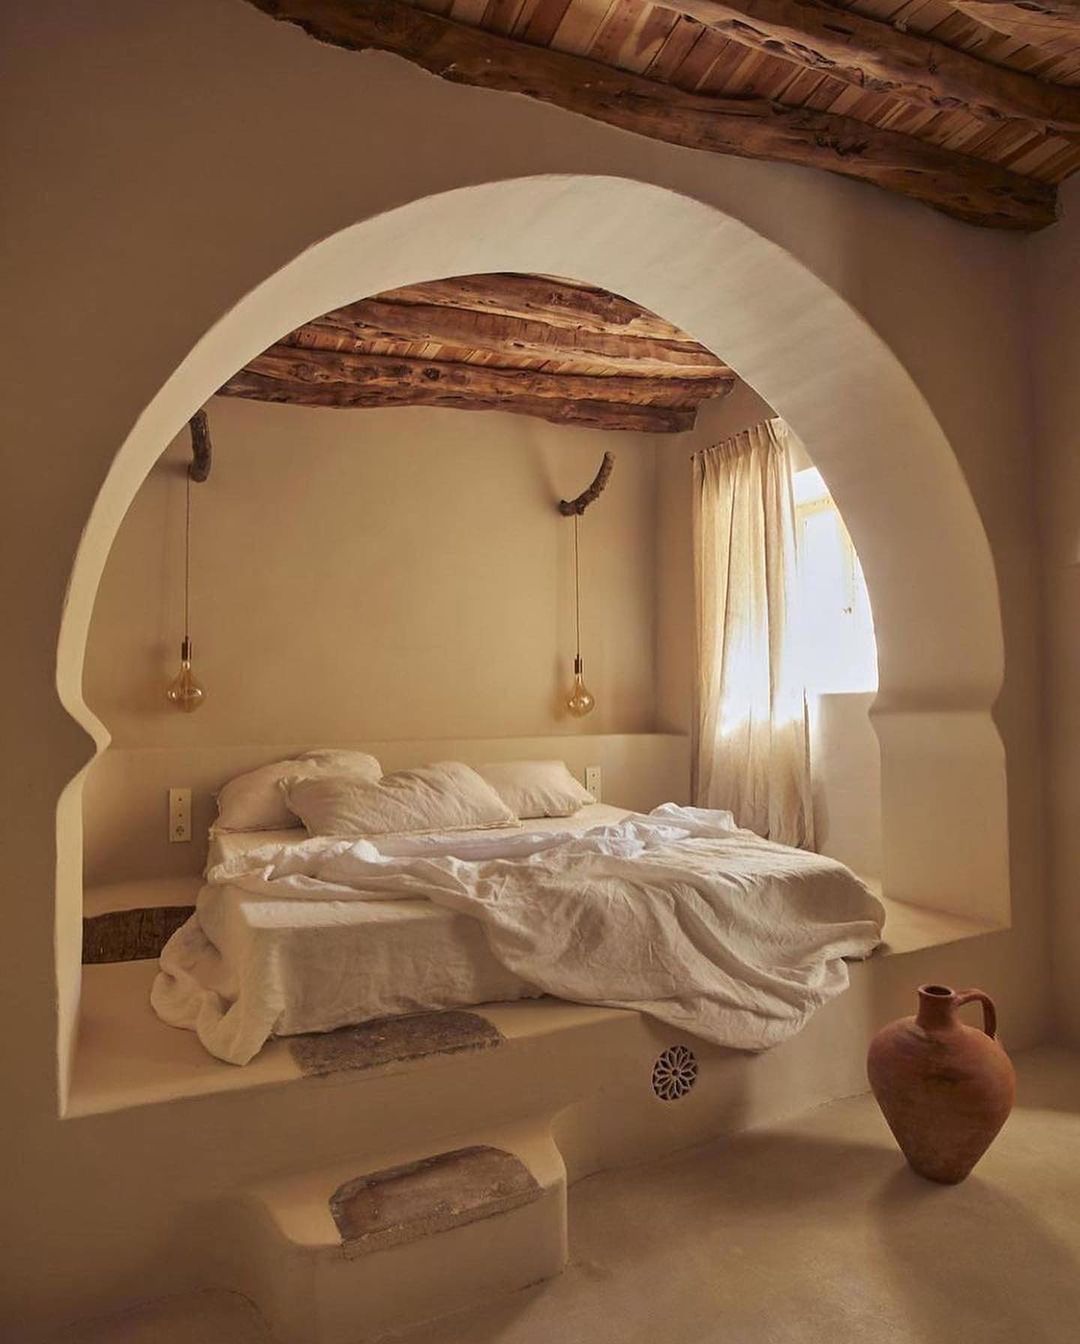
(348, 961)
(227, 844)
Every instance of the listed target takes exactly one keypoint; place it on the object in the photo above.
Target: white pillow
(254, 801)
(536, 788)
(446, 797)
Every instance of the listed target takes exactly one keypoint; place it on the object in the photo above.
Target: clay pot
(944, 1088)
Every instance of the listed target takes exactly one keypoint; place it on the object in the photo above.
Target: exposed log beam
(589, 414)
(560, 303)
(393, 374)
(376, 320)
(958, 184)
(1032, 21)
(873, 55)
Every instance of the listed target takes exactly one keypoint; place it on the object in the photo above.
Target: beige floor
(810, 1232)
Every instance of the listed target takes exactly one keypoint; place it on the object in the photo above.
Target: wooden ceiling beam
(555, 302)
(572, 411)
(392, 373)
(378, 320)
(1031, 21)
(875, 56)
(962, 186)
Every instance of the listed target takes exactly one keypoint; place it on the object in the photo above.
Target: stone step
(340, 1256)
(132, 921)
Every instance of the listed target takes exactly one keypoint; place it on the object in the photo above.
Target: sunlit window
(835, 624)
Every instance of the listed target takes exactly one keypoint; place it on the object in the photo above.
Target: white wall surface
(1055, 370)
(161, 162)
(403, 575)
(379, 574)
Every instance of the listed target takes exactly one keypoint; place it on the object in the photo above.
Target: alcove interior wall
(401, 575)
(379, 574)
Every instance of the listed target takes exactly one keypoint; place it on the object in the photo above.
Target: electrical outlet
(594, 781)
(179, 815)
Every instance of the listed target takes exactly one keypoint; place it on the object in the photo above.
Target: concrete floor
(809, 1232)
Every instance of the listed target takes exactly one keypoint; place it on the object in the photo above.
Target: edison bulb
(581, 700)
(185, 690)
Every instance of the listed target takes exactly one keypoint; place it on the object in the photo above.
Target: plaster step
(343, 1255)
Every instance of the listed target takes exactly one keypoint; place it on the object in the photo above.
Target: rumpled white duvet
(677, 914)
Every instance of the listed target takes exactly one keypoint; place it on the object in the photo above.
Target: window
(835, 624)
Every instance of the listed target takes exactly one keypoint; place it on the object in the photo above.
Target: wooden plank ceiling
(534, 345)
(971, 106)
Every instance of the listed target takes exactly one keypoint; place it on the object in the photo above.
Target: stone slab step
(393, 1040)
(131, 935)
(132, 921)
(418, 1199)
(340, 1256)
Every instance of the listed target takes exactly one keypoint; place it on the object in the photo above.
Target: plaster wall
(372, 575)
(158, 169)
(399, 578)
(1054, 361)
(375, 576)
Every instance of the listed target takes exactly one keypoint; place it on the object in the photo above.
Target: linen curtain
(751, 748)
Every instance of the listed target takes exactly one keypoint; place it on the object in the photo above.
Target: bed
(676, 913)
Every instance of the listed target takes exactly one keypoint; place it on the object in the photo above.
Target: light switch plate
(594, 781)
(179, 816)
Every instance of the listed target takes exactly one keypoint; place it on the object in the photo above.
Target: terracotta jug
(944, 1088)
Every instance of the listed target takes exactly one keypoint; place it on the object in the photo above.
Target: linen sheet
(676, 914)
(228, 844)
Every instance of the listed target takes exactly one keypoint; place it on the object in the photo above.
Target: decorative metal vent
(674, 1073)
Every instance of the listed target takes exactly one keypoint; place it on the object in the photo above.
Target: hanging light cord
(577, 589)
(187, 560)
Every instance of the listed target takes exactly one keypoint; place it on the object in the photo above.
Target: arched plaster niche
(806, 351)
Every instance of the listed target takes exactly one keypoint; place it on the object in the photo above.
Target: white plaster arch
(805, 350)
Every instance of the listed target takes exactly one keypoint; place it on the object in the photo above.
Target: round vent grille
(674, 1073)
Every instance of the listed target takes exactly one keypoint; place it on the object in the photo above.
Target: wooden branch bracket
(569, 507)
(202, 450)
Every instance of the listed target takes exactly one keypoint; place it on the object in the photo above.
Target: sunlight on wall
(835, 624)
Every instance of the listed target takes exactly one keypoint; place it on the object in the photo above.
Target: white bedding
(676, 914)
(228, 844)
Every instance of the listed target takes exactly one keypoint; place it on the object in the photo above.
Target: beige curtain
(751, 748)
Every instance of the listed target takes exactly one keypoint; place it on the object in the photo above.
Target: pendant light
(581, 701)
(185, 692)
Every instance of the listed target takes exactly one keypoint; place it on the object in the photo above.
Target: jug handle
(989, 1011)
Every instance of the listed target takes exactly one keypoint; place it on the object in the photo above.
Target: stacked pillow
(434, 798)
(536, 788)
(255, 802)
(345, 793)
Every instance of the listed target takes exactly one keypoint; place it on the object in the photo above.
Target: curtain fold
(751, 748)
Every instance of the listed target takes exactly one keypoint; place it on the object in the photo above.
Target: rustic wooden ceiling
(534, 345)
(972, 106)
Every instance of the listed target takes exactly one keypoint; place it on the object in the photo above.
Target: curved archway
(795, 341)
